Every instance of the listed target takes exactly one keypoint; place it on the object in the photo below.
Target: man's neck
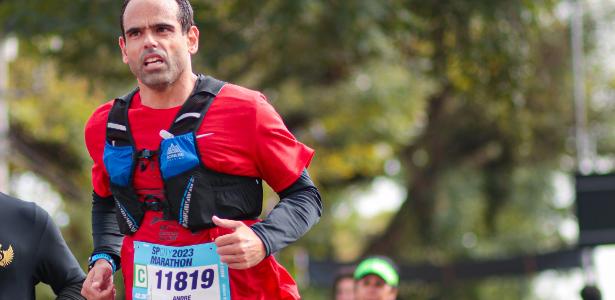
(172, 96)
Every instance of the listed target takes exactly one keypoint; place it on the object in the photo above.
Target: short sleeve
(280, 157)
(95, 131)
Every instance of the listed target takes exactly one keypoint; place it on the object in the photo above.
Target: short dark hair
(185, 15)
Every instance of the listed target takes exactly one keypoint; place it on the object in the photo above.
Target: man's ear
(193, 40)
(122, 43)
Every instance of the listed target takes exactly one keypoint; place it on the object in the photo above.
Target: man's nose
(149, 40)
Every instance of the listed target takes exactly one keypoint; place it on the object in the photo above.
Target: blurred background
(448, 134)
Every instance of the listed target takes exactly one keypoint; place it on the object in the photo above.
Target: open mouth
(153, 61)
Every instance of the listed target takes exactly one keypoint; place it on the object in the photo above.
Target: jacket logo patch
(174, 152)
(6, 256)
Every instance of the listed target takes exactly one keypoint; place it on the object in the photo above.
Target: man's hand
(99, 283)
(241, 249)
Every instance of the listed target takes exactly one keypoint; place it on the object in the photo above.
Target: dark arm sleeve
(299, 209)
(56, 264)
(105, 230)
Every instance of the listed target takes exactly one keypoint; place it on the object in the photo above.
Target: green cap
(377, 266)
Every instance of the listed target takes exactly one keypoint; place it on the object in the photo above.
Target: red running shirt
(241, 134)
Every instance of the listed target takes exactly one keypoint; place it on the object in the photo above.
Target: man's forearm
(299, 209)
(71, 292)
(105, 230)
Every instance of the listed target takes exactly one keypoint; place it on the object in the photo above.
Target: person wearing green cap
(376, 278)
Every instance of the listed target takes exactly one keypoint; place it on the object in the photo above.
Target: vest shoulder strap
(193, 111)
(188, 118)
(118, 129)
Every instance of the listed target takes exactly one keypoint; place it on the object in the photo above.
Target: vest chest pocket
(196, 196)
(119, 163)
(178, 155)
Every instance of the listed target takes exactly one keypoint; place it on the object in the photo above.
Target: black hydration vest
(193, 193)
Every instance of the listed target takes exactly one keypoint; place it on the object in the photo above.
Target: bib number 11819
(190, 272)
(182, 280)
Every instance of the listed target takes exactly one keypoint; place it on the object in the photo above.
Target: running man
(178, 167)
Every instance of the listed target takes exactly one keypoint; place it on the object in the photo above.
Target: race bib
(179, 273)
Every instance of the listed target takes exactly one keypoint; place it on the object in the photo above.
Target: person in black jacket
(32, 250)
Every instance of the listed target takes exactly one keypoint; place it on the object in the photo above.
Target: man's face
(344, 289)
(155, 47)
(372, 287)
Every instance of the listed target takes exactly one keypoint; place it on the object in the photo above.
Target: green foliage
(498, 103)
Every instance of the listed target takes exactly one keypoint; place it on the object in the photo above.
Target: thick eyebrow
(157, 25)
(163, 25)
(133, 30)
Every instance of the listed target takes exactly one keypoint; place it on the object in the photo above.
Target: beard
(162, 77)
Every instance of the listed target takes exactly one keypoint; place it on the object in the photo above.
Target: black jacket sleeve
(105, 230)
(299, 209)
(56, 264)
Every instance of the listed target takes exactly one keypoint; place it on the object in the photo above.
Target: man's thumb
(96, 280)
(226, 223)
